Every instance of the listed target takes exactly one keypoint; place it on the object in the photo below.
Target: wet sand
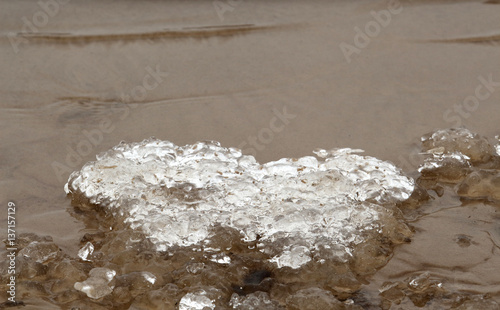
(269, 77)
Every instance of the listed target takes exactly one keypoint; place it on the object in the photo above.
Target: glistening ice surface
(295, 208)
(320, 231)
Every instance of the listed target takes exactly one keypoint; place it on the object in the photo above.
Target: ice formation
(497, 147)
(204, 227)
(40, 252)
(196, 301)
(423, 290)
(97, 285)
(481, 184)
(175, 195)
(458, 140)
(445, 167)
(465, 158)
(453, 154)
(86, 251)
(254, 301)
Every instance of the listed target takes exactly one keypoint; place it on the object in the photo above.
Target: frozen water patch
(221, 259)
(481, 184)
(455, 152)
(497, 147)
(255, 301)
(445, 167)
(294, 258)
(97, 285)
(40, 252)
(459, 140)
(86, 251)
(175, 195)
(196, 301)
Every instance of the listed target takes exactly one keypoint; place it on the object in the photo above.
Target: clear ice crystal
(254, 301)
(294, 258)
(174, 194)
(459, 140)
(221, 259)
(86, 251)
(40, 252)
(97, 285)
(196, 301)
(446, 167)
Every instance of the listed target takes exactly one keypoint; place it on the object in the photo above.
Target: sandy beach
(273, 78)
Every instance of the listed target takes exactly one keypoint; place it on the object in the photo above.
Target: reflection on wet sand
(204, 32)
(488, 39)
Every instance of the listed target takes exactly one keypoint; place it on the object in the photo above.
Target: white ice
(175, 194)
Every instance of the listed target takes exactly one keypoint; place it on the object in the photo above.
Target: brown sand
(226, 80)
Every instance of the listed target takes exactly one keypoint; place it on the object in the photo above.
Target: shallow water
(65, 91)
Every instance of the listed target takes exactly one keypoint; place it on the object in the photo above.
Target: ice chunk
(294, 258)
(254, 301)
(481, 184)
(422, 289)
(455, 152)
(40, 252)
(196, 301)
(221, 259)
(194, 267)
(176, 195)
(137, 280)
(97, 285)
(449, 167)
(421, 282)
(149, 277)
(86, 251)
(24, 239)
(459, 140)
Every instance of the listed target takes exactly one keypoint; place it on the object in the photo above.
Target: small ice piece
(459, 140)
(423, 282)
(40, 252)
(97, 285)
(137, 281)
(497, 147)
(86, 251)
(294, 258)
(334, 152)
(445, 167)
(481, 184)
(149, 277)
(254, 301)
(195, 267)
(221, 259)
(175, 194)
(196, 301)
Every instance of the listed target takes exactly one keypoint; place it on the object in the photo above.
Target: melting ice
(466, 158)
(175, 195)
